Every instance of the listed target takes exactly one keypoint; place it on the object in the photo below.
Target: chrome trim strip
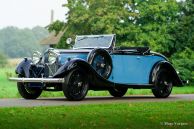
(40, 80)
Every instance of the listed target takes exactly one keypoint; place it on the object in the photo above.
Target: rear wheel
(76, 86)
(28, 92)
(118, 92)
(163, 84)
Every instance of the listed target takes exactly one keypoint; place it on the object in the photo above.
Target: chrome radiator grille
(51, 69)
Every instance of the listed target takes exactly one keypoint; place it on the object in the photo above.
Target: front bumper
(40, 80)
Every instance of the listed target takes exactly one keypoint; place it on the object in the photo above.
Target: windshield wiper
(83, 38)
(90, 37)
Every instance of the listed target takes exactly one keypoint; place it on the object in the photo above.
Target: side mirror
(69, 41)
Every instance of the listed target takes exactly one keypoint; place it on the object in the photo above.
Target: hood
(69, 54)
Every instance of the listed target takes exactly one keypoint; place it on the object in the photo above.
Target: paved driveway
(90, 100)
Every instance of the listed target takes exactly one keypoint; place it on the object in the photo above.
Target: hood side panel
(64, 57)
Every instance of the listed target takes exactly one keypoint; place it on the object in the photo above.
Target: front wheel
(118, 92)
(76, 86)
(163, 84)
(27, 92)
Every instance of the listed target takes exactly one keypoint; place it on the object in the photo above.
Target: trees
(183, 33)
(157, 19)
(184, 63)
(99, 17)
(136, 22)
(16, 42)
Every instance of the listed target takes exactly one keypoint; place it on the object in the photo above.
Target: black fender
(23, 67)
(94, 78)
(70, 65)
(166, 65)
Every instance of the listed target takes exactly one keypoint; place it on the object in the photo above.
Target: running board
(40, 80)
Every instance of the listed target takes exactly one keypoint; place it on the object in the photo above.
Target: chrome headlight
(36, 57)
(52, 56)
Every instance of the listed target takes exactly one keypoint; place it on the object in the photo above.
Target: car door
(132, 69)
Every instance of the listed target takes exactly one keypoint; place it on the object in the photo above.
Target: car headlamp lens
(52, 57)
(36, 57)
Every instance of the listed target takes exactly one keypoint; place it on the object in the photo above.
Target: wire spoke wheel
(163, 84)
(28, 92)
(76, 85)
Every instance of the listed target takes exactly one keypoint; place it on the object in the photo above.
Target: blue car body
(139, 66)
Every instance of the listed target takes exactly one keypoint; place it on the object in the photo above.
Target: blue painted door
(133, 69)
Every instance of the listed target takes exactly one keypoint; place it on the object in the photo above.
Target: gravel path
(90, 100)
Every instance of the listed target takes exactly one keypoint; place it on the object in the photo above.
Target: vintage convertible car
(94, 63)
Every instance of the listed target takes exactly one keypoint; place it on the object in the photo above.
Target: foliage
(57, 26)
(157, 19)
(184, 63)
(96, 17)
(8, 89)
(16, 42)
(136, 22)
(183, 33)
(3, 60)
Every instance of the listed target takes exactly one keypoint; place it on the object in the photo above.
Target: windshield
(93, 41)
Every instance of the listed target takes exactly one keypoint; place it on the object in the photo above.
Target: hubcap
(165, 85)
(78, 83)
(99, 64)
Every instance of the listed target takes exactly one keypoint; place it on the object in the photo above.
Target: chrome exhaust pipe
(40, 80)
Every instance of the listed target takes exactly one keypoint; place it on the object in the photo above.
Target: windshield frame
(110, 43)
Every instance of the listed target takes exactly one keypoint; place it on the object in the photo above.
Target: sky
(30, 13)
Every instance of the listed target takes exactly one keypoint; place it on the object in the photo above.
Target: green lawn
(144, 115)
(8, 89)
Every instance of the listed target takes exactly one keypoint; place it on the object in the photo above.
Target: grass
(156, 115)
(9, 89)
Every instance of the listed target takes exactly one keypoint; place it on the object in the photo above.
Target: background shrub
(184, 63)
